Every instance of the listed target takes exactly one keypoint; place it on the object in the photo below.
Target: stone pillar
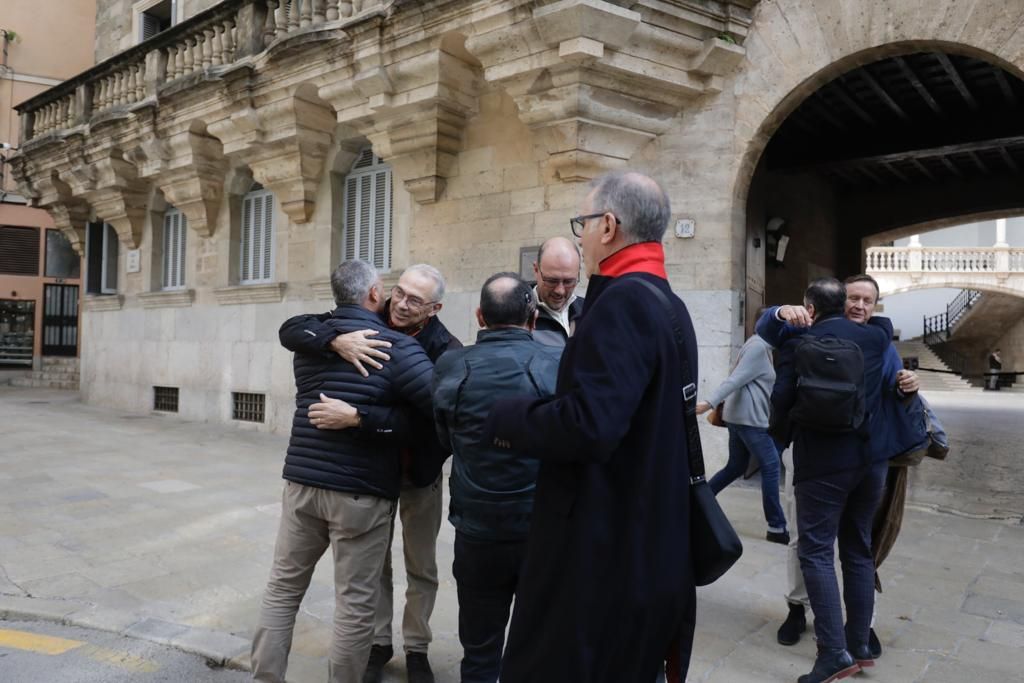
(916, 257)
(1002, 264)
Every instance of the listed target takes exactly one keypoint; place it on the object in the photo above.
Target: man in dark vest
(412, 309)
(340, 486)
(557, 271)
(491, 488)
(607, 591)
(838, 483)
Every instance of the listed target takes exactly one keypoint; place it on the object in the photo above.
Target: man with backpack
(826, 403)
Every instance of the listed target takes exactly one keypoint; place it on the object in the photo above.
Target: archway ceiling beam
(915, 81)
(882, 93)
(941, 152)
(957, 80)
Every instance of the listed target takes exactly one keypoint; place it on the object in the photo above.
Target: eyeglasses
(414, 302)
(576, 223)
(554, 282)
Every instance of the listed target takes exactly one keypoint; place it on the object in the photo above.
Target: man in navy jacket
(607, 590)
(491, 488)
(838, 487)
(341, 486)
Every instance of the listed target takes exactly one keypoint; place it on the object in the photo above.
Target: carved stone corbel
(192, 178)
(285, 144)
(414, 116)
(118, 195)
(42, 184)
(597, 81)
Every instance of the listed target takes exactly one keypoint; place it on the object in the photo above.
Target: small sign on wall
(686, 228)
(134, 261)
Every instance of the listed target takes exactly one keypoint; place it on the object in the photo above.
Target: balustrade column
(346, 8)
(332, 10)
(229, 41)
(293, 15)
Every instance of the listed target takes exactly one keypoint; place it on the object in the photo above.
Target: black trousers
(486, 573)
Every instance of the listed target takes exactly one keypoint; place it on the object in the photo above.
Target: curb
(220, 649)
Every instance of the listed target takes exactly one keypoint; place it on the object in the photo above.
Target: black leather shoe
(830, 665)
(417, 667)
(379, 656)
(793, 626)
(862, 655)
(874, 646)
(778, 537)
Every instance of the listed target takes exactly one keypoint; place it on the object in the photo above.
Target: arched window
(256, 248)
(366, 219)
(175, 233)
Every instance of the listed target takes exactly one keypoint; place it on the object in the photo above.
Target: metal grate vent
(248, 407)
(19, 251)
(165, 399)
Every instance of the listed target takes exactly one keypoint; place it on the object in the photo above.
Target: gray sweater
(748, 389)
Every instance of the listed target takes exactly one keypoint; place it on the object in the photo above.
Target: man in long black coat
(607, 593)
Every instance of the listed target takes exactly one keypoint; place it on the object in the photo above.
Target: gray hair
(352, 281)
(434, 274)
(637, 201)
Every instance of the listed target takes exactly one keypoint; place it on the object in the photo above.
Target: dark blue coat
(491, 488)
(309, 333)
(350, 459)
(890, 434)
(607, 587)
(816, 454)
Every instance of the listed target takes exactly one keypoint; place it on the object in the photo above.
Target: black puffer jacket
(349, 459)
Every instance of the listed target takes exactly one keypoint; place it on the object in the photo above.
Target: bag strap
(693, 446)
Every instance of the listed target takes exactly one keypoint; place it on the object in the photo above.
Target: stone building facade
(454, 132)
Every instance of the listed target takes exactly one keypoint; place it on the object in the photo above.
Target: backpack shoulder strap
(693, 445)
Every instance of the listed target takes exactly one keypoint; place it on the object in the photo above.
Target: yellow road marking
(122, 660)
(33, 642)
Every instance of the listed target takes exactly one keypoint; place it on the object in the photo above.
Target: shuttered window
(19, 250)
(175, 233)
(257, 244)
(366, 220)
(156, 18)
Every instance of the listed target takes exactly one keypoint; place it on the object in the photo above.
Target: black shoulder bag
(714, 544)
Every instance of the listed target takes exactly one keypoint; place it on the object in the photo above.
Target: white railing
(944, 260)
(126, 85)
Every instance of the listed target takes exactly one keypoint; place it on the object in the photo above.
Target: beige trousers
(356, 527)
(796, 590)
(420, 509)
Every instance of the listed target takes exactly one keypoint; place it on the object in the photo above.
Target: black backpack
(829, 385)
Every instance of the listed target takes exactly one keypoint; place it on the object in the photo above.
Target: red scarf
(643, 257)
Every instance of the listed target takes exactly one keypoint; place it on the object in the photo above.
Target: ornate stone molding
(41, 182)
(250, 294)
(597, 81)
(103, 302)
(170, 299)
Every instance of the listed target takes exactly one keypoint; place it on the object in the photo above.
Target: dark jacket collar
(503, 334)
(356, 312)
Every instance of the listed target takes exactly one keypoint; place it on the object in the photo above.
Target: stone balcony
(273, 87)
(899, 269)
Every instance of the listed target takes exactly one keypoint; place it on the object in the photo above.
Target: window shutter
(168, 258)
(268, 237)
(19, 251)
(257, 238)
(149, 26)
(174, 249)
(366, 220)
(110, 249)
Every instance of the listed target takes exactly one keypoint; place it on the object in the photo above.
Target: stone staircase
(55, 373)
(933, 381)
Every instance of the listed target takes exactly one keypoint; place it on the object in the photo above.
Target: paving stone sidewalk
(163, 529)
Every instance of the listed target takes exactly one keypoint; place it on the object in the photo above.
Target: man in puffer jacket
(491, 488)
(341, 486)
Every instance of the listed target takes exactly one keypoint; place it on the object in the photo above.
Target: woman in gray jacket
(746, 393)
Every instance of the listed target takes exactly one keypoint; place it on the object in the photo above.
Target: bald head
(557, 271)
(506, 301)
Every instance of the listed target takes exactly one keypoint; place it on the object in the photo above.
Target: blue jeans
(744, 441)
(840, 505)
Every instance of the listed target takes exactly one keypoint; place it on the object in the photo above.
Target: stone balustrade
(900, 269)
(942, 259)
(219, 37)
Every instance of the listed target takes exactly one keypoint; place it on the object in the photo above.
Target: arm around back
(308, 333)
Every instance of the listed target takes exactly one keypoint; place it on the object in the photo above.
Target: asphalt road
(43, 652)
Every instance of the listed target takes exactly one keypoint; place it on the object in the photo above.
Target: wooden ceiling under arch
(927, 117)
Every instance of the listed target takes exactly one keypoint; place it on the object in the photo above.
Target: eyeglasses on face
(576, 223)
(554, 282)
(414, 302)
